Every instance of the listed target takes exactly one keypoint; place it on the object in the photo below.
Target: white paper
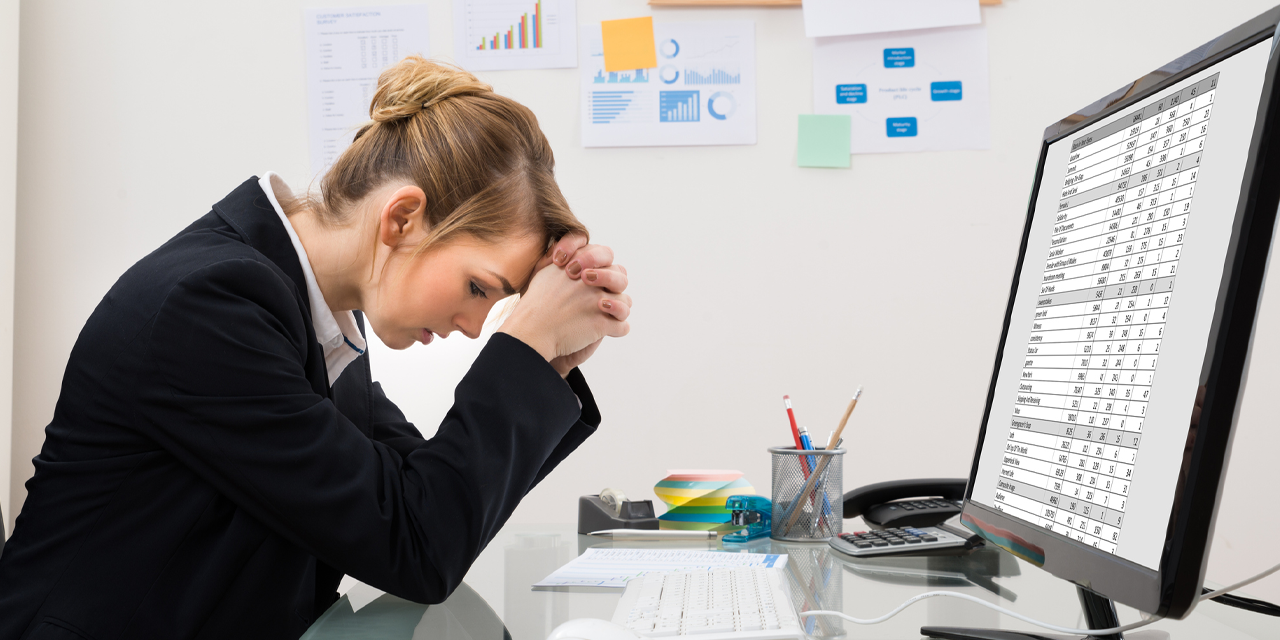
(851, 17)
(358, 593)
(907, 91)
(614, 567)
(346, 49)
(547, 38)
(702, 92)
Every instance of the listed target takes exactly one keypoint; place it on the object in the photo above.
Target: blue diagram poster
(924, 90)
(703, 91)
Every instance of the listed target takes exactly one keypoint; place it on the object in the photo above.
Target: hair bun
(415, 84)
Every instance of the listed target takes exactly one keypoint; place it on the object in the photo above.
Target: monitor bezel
(1172, 590)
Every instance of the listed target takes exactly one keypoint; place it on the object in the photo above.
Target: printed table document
(614, 567)
(346, 50)
(907, 91)
(702, 92)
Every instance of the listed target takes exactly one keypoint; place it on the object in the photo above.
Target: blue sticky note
(946, 91)
(851, 93)
(900, 127)
(901, 57)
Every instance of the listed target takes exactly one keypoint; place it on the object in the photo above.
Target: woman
(219, 456)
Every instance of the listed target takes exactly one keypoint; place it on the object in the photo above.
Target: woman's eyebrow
(506, 284)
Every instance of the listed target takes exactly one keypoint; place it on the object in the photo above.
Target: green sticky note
(824, 141)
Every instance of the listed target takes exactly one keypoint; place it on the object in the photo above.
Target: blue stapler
(753, 512)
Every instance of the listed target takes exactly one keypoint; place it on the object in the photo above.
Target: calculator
(900, 540)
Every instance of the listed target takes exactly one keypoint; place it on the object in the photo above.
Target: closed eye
(477, 292)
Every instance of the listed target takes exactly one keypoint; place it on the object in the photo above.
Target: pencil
(822, 466)
(795, 433)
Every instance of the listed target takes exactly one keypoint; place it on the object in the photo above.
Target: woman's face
(449, 288)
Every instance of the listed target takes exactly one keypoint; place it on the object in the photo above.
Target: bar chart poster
(703, 91)
(515, 34)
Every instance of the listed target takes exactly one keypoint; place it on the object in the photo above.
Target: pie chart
(721, 105)
(669, 48)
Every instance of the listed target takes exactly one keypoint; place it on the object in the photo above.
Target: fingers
(591, 256)
(618, 308)
(564, 249)
(613, 279)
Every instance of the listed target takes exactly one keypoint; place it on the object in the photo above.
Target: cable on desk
(1052, 627)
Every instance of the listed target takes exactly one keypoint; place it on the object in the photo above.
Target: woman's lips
(427, 336)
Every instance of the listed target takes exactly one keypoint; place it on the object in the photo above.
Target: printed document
(346, 50)
(521, 34)
(852, 17)
(921, 90)
(614, 567)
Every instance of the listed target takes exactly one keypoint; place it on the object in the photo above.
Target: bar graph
(620, 107)
(717, 74)
(620, 77)
(678, 106)
(524, 33)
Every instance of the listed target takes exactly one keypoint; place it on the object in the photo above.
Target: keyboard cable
(1208, 595)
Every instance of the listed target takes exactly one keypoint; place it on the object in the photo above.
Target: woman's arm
(228, 395)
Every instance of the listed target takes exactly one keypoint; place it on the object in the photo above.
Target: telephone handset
(884, 504)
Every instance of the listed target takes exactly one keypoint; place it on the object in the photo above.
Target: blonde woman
(219, 456)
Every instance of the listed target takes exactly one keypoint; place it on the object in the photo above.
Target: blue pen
(813, 464)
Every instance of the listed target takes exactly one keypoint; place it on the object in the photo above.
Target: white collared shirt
(337, 332)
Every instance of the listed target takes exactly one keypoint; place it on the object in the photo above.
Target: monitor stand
(1099, 613)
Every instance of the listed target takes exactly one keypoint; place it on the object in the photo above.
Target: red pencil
(795, 433)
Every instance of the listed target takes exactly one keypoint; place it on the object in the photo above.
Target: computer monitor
(1126, 339)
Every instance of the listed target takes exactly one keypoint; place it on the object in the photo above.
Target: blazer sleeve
(226, 394)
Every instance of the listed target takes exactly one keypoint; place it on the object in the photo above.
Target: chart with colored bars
(527, 34)
(702, 92)
(1105, 296)
(515, 34)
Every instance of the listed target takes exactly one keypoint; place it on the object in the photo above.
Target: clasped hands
(573, 302)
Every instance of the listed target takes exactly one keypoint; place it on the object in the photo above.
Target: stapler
(753, 512)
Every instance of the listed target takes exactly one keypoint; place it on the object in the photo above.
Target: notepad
(612, 568)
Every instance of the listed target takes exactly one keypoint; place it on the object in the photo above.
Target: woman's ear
(403, 217)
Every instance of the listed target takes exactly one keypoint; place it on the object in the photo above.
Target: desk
(497, 592)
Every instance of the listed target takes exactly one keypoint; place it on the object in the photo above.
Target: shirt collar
(336, 331)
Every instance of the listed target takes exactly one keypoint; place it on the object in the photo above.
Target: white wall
(753, 278)
(8, 202)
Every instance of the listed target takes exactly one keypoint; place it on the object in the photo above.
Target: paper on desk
(907, 91)
(850, 17)
(346, 50)
(501, 34)
(614, 567)
(358, 593)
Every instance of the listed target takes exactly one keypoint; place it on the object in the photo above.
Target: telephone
(925, 502)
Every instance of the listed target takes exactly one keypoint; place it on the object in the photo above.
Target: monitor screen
(1113, 311)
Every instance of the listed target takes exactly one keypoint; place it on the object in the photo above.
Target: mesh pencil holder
(818, 514)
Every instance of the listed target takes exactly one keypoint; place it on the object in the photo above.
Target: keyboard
(733, 603)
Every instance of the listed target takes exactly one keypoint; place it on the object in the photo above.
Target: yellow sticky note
(628, 44)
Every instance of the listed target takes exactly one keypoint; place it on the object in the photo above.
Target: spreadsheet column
(1091, 357)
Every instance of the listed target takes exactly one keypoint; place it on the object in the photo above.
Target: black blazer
(200, 479)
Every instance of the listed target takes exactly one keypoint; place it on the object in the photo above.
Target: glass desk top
(496, 600)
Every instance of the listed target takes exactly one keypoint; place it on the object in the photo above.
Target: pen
(653, 534)
(794, 513)
(795, 434)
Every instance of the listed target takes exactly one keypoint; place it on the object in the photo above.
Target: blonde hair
(481, 159)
